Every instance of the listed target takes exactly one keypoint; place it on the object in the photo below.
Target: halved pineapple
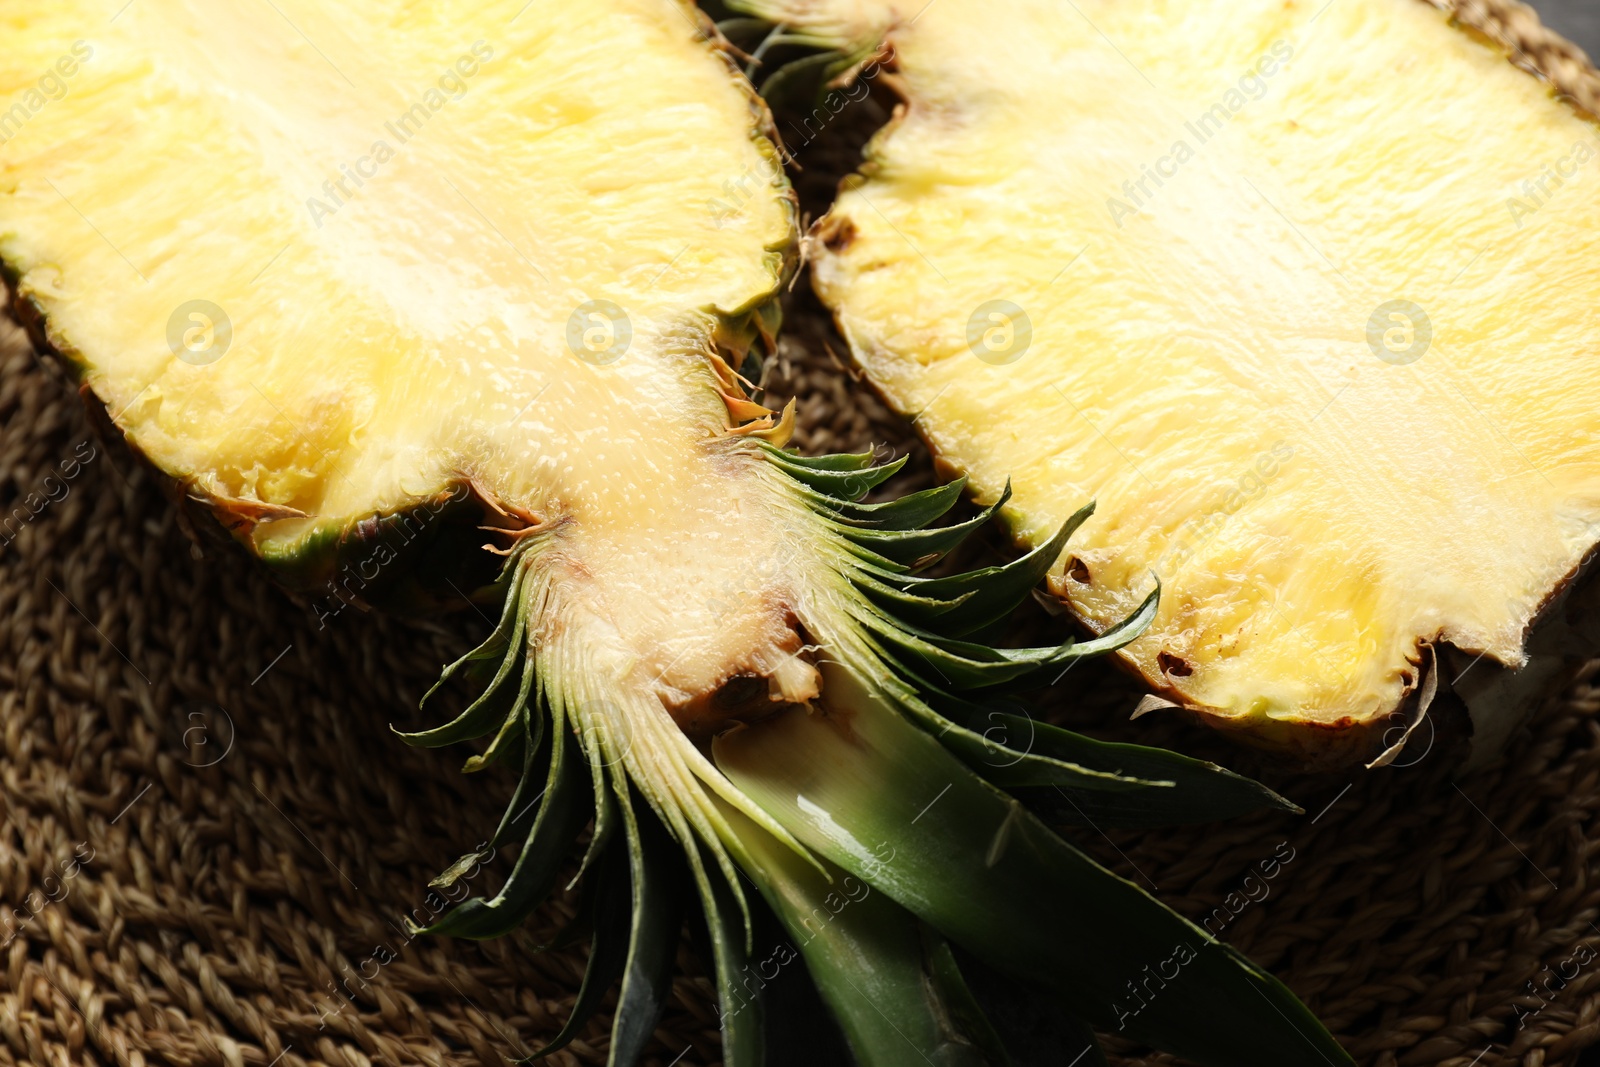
(1302, 293)
(347, 278)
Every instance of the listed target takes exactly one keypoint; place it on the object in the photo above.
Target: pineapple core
(1303, 294)
(319, 265)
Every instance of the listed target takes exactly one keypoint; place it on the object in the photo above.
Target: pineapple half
(1302, 293)
(376, 288)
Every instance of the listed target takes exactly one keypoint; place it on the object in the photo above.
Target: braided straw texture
(209, 838)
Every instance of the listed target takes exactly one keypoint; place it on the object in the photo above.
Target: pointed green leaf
(929, 661)
(958, 1009)
(998, 590)
(802, 82)
(872, 562)
(918, 548)
(561, 817)
(655, 867)
(917, 611)
(495, 704)
(508, 738)
(610, 907)
(988, 755)
(833, 461)
(884, 800)
(845, 484)
(968, 665)
(910, 512)
(605, 812)
(519, 813)
(991, 593)
(499, 640)
(1118, 636)
(890, 991)
(739, 1007)
(1200, 792)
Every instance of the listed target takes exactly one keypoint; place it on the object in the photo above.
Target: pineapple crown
(806, 807)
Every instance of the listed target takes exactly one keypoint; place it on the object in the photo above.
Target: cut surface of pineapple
(1301, 293)
(325, 268)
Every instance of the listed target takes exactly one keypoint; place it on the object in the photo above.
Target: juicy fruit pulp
(400, 309)
(1300, 293)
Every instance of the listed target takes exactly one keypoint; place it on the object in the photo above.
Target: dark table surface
(1577, 20)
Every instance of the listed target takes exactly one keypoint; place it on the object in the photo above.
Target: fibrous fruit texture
(1299, 292)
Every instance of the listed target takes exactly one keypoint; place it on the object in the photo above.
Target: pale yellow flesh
(1199, 362)
(391, 336)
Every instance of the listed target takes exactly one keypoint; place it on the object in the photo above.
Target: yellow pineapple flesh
(1301, 293)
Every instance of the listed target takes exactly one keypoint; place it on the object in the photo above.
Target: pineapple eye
(1176, 666)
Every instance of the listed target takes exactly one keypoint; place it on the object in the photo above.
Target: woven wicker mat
(207, 787)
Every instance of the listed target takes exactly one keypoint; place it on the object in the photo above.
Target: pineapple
(1299, 292)
(378, 288)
